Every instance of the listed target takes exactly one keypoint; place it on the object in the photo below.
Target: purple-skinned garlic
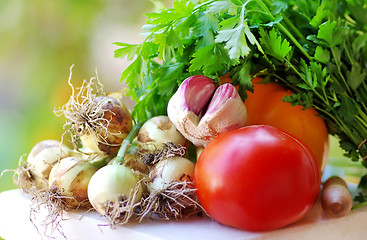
(201, 111)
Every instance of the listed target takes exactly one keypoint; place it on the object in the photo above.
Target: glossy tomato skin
(257, 178)
(265, 106)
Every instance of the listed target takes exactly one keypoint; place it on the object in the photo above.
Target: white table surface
(15, 224)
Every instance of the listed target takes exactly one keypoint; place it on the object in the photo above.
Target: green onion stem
(99, 163)
(126, 143)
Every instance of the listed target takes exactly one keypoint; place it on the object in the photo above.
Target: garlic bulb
(200, 111)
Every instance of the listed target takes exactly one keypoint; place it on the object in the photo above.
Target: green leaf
(183, 8)
(200, 57)
(319, 74)
(356, 76)
(167, 80)
(322, 55)
(321, 14)
(221, 7)
(168, 43)
(326, 32)
(131, 74)
(126, 50)
(149, 50)
(235, 41)
(210, 60)
(332, 33)
(304, 99)
(348, 109)
(277, 19)
(274, 45)
(241, 76)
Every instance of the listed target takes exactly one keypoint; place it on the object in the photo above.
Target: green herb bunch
(315, 48)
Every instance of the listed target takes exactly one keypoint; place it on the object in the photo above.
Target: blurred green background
(39, 41)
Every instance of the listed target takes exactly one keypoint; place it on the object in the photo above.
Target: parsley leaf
(274, 45)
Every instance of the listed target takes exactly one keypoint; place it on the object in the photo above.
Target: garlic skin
(168, 170)
(43, 156)
(186, 109)
(157, 131)
(69, 178)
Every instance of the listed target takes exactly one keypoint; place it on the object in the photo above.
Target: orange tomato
(265, 107)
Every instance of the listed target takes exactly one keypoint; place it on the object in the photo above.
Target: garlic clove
(196, 91)
(225, 111)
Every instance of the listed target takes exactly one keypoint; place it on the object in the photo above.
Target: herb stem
(359, 205)
(283, 29)
(293, 28)
(337, 62)
(294, 40)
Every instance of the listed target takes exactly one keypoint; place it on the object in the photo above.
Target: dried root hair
(124, 210)
(24, 179)
(176, 201)
(84, 111)
(169, 149)
(55, 205)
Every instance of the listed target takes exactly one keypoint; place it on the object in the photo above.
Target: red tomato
(265, 106)
(257, 178)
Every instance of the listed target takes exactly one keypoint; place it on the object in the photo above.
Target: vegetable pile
(235, 101)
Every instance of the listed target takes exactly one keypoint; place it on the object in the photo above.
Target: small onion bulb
(43, 156)
(157, 131)
(111, 182)
(115, 122)
(69, 179)
(169, 170)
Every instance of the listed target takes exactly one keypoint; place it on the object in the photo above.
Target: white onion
(111, 182)
(169, 170)
(42, 158)
(157, 131)
(69, 179)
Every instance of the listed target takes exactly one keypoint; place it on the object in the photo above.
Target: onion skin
(43, 156)
(134, 162)
(168, 170)
(336, 200)
(109, 183)
(118, 123)
(157, 131)
(70, 178)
